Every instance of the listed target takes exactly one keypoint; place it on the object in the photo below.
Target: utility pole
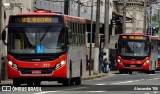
(106, 29)
(96, 55)
(144, 22)
(150, 16)
(79, 8)
(0, 40)
(66, 7)
(90, 53)
(124, 16)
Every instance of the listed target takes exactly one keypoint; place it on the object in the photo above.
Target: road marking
(154, 79)
(68, 91)
(100, 84)
(127, 81)
(123, 74)
(96, 91)
(155, 92)
(146, 93)
(72, 88)
(46, 92)
(59, 90)
(151, 74)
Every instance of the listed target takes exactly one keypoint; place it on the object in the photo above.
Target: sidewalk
(92, 76)
(84, 77)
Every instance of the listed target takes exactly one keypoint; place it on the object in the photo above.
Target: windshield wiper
(45, 33)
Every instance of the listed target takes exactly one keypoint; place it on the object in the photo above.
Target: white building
(21, 6)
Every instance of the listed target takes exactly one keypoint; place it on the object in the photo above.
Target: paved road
(137, 83)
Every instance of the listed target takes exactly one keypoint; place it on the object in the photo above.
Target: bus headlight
(145, 63)
(119, 61)
(60, 64)
(13, 65)
(10, 63)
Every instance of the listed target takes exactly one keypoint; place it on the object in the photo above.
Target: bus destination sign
(35, 19)
(131, 37)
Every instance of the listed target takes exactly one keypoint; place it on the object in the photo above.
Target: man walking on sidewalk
(106, 66)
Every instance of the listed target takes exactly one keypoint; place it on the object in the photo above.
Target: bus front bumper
(59, 73)
(133, 67)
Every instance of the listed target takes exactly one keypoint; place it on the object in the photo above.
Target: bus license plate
(36, 71)
(132, 66)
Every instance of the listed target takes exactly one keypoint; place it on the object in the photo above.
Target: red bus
(136, 52)
(158, 67)
(45, 46)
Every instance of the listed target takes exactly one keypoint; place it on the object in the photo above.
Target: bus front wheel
(121, 71)
(153, 71)
(78, 81)
(16, 83)
(37, 83)
(66, 82)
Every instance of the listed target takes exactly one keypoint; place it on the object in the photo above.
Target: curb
(6, 82)
(93, 77)
(99, 76)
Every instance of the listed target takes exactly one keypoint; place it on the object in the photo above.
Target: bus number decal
(25, 20)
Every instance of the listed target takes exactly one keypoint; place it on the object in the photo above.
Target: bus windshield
(134, 48)
(26, 39)
(158, 49)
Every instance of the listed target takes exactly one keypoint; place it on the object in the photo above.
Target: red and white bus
(158, 44)
(136, 52)
(45, 46)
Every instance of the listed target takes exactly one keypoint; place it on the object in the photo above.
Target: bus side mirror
(4, 35)
(116, 45)
(69, 34)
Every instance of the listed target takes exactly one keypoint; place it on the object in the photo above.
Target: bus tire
(149, 72)
(30, 83)
(16, 83)
(72, 81)
(153, 71)
(126, 71)
(78, 81)
(121, 71)
(130, 72)
(66, 82)
(37, 83)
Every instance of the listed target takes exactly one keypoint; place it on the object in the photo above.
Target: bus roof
(154, 37)
(135, 33)
(46, 12)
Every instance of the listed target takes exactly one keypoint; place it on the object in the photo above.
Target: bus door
(154, 54)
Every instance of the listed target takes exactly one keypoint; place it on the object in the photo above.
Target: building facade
(20, 6)
(135, 11)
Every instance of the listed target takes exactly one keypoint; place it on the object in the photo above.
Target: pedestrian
(106, 65)
(101, 61)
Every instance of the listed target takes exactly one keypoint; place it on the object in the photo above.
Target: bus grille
(133, 65)
(29, 71)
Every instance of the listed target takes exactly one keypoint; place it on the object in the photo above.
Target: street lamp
(91, 39)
